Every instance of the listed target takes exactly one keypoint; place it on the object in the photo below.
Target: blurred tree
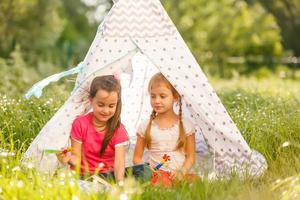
(287, 15)
(218, 29)
(58, 31)
(16, 78)
(35, 25)
(78, 32)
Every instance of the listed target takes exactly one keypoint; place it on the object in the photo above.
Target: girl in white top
(166, 132)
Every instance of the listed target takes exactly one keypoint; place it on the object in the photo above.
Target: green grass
(266, 111)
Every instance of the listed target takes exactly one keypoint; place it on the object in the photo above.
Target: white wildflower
(278, 181)
(62, 175)
(29, 165)
(16, 168)
(3, 154)
(286, 144)
(123, 196)
(20, 184)
(11, 183)
(101, 165)
(72, 183)
(70, 174)
(75, 198)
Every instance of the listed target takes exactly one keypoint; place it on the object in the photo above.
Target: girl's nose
(105, 110)
(156, 100)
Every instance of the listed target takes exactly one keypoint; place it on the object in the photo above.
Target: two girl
(99, 138)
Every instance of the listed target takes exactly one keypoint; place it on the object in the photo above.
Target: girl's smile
(104, 105)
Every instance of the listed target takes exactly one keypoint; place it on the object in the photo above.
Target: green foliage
(16, 75)
(217, 30)
(263, 72)
(287, 14)
(55, 32)
(35, 25)
(265, 110)
(78, 32)
(39, 38)
(59, 33)
(16, 114)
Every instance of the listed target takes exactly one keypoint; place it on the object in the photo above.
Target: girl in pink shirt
(98, 138)
(166, 134)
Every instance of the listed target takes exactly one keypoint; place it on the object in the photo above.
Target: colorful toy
(165, 159)
(64, 151)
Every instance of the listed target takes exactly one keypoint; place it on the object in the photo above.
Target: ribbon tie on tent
(37, 89)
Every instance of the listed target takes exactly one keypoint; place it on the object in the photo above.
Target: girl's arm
(190, 153)
(119, 164)
(75, 159)
(139, 150)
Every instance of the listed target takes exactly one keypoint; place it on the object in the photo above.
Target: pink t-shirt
(84, 132)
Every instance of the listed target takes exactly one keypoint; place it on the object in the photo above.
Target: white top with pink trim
(164, 141)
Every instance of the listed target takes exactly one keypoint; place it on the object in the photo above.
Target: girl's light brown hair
(160, 79)
(110, 84)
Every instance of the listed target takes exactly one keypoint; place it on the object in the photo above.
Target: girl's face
(104, 105)
(161, 98)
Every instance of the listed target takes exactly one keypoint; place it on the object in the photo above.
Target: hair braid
(148, 130)
(181, 138)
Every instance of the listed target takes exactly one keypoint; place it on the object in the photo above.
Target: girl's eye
(100, 105)
(112, 106)
(162, 96)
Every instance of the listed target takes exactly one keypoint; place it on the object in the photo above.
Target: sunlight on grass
(266, 111)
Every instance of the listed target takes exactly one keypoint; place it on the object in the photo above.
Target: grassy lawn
(267, 112)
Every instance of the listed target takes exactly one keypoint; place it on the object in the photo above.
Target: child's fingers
(59, 156)
(65, 159)
(176, 175)
(62, 157)
(173, 176)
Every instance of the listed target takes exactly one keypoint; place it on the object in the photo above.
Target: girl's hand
(64, 158)
(178, 175)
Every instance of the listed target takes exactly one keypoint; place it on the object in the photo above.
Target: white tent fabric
(137, 39)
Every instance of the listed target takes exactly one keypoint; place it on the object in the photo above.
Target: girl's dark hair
(110, 84)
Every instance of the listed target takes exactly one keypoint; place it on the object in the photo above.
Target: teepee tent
(137, 39)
